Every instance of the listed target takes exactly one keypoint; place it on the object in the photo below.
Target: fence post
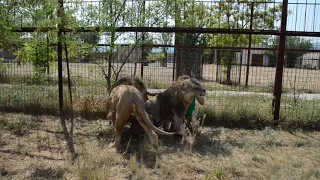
(143, 47)
(177, 37)
(280, 62)
(60, 82)
(249, 45)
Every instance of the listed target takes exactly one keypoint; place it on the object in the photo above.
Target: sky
(304, 16)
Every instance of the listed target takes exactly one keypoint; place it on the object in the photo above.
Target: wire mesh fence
(230, 46)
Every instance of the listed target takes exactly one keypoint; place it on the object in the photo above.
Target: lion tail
(143, 114)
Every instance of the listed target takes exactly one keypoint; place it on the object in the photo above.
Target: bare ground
(33, 147)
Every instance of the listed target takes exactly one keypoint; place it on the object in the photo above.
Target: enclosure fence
(254, 57)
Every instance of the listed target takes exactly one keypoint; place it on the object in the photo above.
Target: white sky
(305, 15)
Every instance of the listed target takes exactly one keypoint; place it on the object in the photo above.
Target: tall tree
(36, 48)
(232, 14)
(293, 58)
(120, 14)
(190, 14)
(189, 60)
(7, 37)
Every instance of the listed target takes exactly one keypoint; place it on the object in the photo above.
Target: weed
(133, 165)
(3, 122)
(300, 143)
(270, 136)
(18, 129)
(216, 174)
(86, 172)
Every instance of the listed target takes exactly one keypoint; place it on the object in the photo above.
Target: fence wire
(239, 75)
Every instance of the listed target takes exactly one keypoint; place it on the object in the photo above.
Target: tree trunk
(165, 59)
(226, 58)
(135, 69)
(192, 63)
(229, 66)
(110, 59)
(177, 55)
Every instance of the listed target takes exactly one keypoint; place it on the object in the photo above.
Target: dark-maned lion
(169, 107)
(126, 100)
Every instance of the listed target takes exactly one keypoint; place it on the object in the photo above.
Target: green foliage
(293, 58)
(218, 173)
(37, 52)
(133, 165)
(234, 15)
(7, 37)
(270, 136)
(156, 57)
(36, 47)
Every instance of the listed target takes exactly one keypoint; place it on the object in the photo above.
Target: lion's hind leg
(121, 120)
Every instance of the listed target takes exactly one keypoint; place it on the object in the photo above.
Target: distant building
(311, 60)
(257, 57)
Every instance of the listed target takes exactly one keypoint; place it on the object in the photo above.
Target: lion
(135, 127)
(125, 101)
(169, 107)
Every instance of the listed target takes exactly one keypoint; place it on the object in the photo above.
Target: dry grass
(218, 153)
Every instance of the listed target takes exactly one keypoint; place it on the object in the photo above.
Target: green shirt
(191, 108)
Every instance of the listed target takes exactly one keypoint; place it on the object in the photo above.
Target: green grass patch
(255, 112)
(251, 111)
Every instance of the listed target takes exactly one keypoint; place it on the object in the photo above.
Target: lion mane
(169, 107)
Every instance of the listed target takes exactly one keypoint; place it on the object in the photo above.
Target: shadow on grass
(139, 145)
(9, 151)
(47, 173)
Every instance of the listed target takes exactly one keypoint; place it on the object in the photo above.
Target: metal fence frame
(282, 33)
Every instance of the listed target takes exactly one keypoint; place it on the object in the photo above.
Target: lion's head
(189, 88)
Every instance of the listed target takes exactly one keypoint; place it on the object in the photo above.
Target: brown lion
(135, 127)
(126, 101)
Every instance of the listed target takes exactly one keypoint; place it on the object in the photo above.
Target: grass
(18, 128)
(25, 93)
(222, 109)
(218, 153)
(255, 112)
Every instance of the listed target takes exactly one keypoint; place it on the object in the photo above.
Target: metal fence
(247, 50)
